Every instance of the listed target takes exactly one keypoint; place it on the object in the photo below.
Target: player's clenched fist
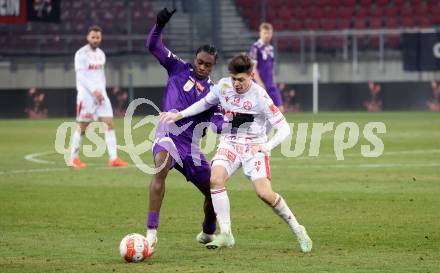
(170, 117)
(164, 16)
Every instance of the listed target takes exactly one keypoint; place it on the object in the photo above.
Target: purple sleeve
(165, 57)
(253, 52)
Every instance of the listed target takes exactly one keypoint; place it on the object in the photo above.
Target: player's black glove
(164, 16)
(240, 118)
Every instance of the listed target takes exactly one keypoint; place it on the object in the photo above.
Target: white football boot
(221, 240)
(204, 238)
(305, 243)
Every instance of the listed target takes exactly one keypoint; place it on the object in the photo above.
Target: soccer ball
(134, 248)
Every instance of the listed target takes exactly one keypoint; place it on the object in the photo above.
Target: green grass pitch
(364, 214)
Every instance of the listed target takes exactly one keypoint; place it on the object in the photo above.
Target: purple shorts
(191, 163)
(275, 95)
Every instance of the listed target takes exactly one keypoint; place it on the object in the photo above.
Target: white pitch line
(32, 158)
(335, 166)
(367, 166)
(304, 157)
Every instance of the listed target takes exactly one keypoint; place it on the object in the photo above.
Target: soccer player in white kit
(244, 144)
(92, 101)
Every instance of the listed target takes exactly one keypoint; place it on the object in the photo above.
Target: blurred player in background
(248, 108)
(187, 84)
(92, 101)
(261, 52)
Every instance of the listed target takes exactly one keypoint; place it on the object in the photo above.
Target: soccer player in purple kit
(261, 52)
(187, 84)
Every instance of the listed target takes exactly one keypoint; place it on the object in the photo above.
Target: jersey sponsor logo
(225, 87)
(188, 85)
(247, 105)
(200, 87)
(274, 109)
(242, 149)
(95, 66)
(225, 152)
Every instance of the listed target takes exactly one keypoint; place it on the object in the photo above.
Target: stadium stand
(328, 15)
(76, 17)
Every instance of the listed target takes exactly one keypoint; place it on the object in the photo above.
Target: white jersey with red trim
(89, 68)
(255, 101)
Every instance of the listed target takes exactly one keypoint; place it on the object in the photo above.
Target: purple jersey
(263, 55)
(183, 88)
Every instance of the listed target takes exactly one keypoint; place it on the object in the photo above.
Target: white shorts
(232, 156)
(88, 109)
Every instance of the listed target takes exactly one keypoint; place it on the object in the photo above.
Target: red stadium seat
(348, 3)
(334, 3)
(391, 22)
(408, 22)
(415, 3)
(360, 23)
(343, 23)
(366, 3)
(406, 11)
(300, 13)
(432, 3)
(376, 12)
(331, 12)
(361, 12)
(421, 10)
(345, 12)
(423, 21)
(382, 3)
(294, 25)
(311, 24)
(316, 13)
(285, 14)
(376, 22)
(435, 19)
(391, 12)
(328, 24)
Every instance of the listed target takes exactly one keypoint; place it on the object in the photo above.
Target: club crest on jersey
(247, 105)
(200, 87)
(236, 101)
(188, 85)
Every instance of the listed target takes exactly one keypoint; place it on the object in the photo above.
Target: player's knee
(162, 174)
(265, 196)
(217, 180)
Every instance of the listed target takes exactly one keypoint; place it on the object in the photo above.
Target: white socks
(151, 233)
(76, 144)
(220, 201)
(110, 140)
(281, 209)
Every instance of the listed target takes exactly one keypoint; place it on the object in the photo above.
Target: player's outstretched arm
(154, 40)
(196, 108)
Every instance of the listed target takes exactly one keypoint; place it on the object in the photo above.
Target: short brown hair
(266, 26)
(94, 28)
(240, 63)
